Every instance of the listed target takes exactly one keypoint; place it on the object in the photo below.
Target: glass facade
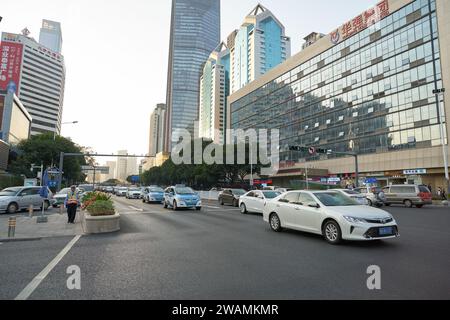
(195, 33)
(370, 93)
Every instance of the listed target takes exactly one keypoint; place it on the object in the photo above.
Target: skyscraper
(51, 35)
(37, 75)
(259, 45)
(194, 34)
(157, 130)
(214, 89)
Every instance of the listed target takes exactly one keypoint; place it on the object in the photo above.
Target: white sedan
(359, 197)
(254, 201)
(331, 214)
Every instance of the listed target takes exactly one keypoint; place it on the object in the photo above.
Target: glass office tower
(367, 90)
(195, 33)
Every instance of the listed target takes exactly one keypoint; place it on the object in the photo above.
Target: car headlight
(354, 219)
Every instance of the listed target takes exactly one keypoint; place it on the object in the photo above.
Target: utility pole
(440, 94)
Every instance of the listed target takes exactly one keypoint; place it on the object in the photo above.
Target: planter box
(101, 224)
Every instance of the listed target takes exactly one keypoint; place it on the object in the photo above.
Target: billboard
(361, 22)
(10, 65)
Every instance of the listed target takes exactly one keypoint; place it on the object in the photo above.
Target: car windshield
(351, 192)
(271, 194)
(238, 192)
(184, 190)
(156, 190)
(335, 199)
(424, 189)
(9, 192)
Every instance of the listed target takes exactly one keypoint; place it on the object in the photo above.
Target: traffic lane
(435, 262)
(225, 255)
(21, 261)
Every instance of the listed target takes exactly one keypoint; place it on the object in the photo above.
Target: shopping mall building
(367, 87)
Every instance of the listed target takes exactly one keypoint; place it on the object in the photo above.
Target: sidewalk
(28, 229)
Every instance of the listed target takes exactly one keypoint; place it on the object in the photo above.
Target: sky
(116, 55)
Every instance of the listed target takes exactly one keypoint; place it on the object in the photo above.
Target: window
(305, 199)
(291, 197)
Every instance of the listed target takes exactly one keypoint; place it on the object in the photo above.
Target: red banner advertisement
(10, 65)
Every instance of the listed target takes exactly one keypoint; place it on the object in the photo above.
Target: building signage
(10, 65)
(334, 180)
(361, 22)
(415, 171)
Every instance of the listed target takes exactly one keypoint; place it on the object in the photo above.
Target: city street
(218, 253)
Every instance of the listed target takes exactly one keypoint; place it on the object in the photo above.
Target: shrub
(101, 208)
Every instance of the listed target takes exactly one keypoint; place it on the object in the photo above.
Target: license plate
(386, 231)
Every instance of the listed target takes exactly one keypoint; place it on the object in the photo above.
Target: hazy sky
(116, 55)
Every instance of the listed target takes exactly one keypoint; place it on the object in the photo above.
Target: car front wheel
(332, 232)
(174, 206)
(243, 208)
(275, 222)
(165, 204)
(12, 208)
(369, 202)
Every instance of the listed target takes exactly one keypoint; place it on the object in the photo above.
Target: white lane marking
(137, 209)
(25, 294)
(211, 207)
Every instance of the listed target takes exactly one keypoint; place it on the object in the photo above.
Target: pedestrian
(71, 204)
(429, 188)
(439, 192)
(444, 195)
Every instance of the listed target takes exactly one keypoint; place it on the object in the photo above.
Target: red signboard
(10, 65)
(361, 22)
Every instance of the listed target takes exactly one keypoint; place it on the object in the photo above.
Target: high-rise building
(121, 166)
(259, 45)
(51, 35)
(194, 34)
(214, 89)
(37, 75)
(157, 130)
(368, 87)
(112, 170)
(132, 167)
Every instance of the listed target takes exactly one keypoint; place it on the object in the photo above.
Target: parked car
(181, 197)
(121, 191)
(331, 214)
(133, 193)
(153, 194)
(254, 201)
(109, 189)
(408, 194)
(20, 198)
(373, 195)
(360, 198)
(61, 196)
(231, 196)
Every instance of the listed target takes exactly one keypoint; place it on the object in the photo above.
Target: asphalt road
(217, 253)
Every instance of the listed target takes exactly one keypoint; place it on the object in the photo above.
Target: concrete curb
(20, 239)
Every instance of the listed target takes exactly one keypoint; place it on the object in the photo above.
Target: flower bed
(101, 217)
(98, 204)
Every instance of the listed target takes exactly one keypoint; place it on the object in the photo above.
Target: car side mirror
(314, 205)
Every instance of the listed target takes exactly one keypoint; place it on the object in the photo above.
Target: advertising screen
(10, 65)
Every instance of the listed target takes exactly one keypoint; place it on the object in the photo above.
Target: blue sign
(11, 87)
(135, 179)
(371, 180)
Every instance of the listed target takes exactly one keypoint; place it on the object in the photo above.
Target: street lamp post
(70, 122)
(440, 104)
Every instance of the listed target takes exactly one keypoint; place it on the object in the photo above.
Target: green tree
(45, 149)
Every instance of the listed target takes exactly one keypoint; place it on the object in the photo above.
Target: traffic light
(298, 148)
(310, 150)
